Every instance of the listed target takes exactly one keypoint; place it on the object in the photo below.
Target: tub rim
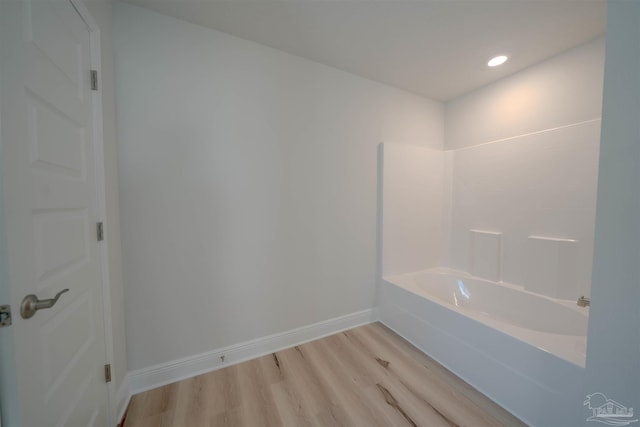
(572, 350)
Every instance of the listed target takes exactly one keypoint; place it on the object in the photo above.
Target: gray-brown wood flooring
(367, 376)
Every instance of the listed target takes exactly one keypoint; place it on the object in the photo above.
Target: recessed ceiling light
(498, 60)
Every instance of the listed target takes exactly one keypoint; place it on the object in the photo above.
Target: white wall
(248, 185)
(413, 223)
(613, 352)
(560, 91)
(525, 163)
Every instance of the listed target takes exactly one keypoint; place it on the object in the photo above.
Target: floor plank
(367, 376)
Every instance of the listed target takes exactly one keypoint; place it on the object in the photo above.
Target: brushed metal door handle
(31, 304)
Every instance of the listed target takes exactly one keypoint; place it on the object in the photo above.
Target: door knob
(31, 304)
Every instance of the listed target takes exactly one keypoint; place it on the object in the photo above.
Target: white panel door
(50, 202)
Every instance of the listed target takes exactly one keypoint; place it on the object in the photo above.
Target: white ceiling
(436, 48)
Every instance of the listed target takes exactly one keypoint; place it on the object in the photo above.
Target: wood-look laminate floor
(367, 376)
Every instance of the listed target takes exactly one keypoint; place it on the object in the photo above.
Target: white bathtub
(523, 350)
(556, 326)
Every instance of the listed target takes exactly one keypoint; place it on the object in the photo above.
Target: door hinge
(5, 316)
(100, 231)
(107, 373)
(94, 80)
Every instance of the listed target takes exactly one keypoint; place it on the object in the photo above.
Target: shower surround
(486, 246)
(485, 251)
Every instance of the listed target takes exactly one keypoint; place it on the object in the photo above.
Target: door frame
(101, 197)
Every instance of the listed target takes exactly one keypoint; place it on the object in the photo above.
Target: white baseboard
(165, 373)
(123, 396)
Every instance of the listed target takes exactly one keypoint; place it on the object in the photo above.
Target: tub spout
(584, 302)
